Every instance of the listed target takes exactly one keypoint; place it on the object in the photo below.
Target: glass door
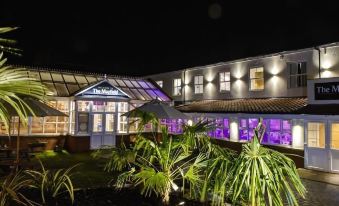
(97, 130)
(334, 147)
(316, 149)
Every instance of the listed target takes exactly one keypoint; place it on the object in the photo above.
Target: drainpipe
(319, 70)
(184, 87)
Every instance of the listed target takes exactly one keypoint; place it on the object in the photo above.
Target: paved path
(322, 188)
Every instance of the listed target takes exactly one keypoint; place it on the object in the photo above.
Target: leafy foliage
(14, 84)
(6, 44)
(10, 190)
(52, 183)
(263, 176)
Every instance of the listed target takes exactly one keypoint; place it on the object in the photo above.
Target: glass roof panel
(81, 79)
(120, 82)
(129, 92)
(73, 88)
(34, 75)
(45, 76)
(57, 77)
(135, 84)
(147, 97)
(160, 94)
(128, 83)
(91, 79)
(112, 81)
(83, 85)
(69, 78)
(51, 88)
(150, 85)
(137, 94)
(143, 84)
(62, 90)
(152, 94)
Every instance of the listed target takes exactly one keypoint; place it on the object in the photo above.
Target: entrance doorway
(103, 133)
(322, 146)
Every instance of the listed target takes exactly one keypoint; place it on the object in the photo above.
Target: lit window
(316, 134)
(160, 83)
(298, 74)
(278, 132)
(221, 129)
(199, 84)
(224, 80)
(177, 87)
(122, 120)
(257, 78)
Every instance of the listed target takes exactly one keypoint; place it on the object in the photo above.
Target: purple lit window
(243, 123)
(252, 123)
(279, 132)
(143, 84)
(275, 124)
(243, 132)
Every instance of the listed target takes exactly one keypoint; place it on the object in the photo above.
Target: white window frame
(225, 81)
(256, 78)
(302, 77)
(177, 87)
(198, 84)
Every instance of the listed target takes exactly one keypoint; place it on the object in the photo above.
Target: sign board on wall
(323, 91)
(326, 91)
(103, 89)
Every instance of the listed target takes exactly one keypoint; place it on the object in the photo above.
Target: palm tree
(263, 176)
(6, 44)
(14, 85)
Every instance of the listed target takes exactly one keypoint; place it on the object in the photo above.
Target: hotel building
(295, 92)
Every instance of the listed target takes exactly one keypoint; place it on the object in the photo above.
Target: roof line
(333, 44)
(75, 72)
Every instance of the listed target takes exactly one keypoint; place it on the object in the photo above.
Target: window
(316, 134)
(221, 129)
(122, 120)
(335, 136)
(199, 84)
(174, 126)
(278, 132)
(160, 83)
(224, 80)
(257, 78)
(298, 74)
(177, 87)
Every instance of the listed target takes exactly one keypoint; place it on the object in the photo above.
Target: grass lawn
(88, 174)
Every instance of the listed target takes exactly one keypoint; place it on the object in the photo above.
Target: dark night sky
(144, 37)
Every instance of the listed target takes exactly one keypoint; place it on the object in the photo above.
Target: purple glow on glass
(243, 134)
(152, 94)
(286, 125)
(150, 85)
(274, 137)
(275, 124)
(252, 123)
(226, 123)
(226, 133)
(143, 84)
(135, 84)
(265, 138)
(286, 138)
(243, 123)
(161, 95)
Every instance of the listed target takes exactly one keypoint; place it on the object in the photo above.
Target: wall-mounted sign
(326, 91)
(104, 89)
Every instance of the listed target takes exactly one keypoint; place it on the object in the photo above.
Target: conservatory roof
(64, 83)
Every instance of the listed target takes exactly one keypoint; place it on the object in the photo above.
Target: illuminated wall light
(326, 64)
(190, 122)
(298, 135)
(326, 74)
(234, 130)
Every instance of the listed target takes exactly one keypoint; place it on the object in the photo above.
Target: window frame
(199, 84)
(250, 79)
(177, 87)
(224, 81)
(297, 75)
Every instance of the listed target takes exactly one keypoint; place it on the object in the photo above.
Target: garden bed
(110, 196)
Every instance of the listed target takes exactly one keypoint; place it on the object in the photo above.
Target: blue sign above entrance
(103, 88)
